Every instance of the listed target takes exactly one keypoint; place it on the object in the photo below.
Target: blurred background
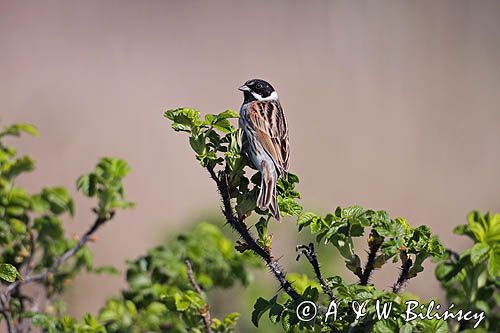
(391, 105)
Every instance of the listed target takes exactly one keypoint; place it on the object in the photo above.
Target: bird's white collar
(272, 97)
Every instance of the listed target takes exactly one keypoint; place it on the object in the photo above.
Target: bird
(267, 145)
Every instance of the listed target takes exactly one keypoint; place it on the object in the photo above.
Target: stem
(311, 256)
(8, 321)
(249, 241)
(369, 267)
(205, 313)
(403, 276)
(6, 313)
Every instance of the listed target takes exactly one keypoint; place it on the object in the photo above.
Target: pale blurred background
(391, 105)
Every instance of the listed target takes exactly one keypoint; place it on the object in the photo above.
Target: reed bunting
(264, 124)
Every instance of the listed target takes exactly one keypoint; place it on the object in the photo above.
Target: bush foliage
(168, 288)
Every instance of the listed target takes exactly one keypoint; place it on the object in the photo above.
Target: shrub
(167, 287)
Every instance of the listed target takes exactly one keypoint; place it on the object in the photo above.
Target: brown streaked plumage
(269, 123)
(264, 123)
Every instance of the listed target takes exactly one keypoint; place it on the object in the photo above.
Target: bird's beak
(244, 88)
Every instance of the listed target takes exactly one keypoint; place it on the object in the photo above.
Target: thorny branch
(370, 262)
(205, 313)
(249, 241)
(310, 254)
(404, 274)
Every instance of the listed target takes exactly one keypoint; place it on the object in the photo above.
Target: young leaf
(87, 184)
(478, 252)
(9, 273)
(305, 219)
(17, 129)
(494, 262)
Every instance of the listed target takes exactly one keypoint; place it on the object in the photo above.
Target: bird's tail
(267, 197)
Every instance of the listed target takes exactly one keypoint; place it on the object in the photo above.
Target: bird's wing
(268, 121)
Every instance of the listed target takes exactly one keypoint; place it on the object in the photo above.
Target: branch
(8, 321)
(249, 242)
(99, 222)
(403, 276)
(205, 313)
(5, 312)
(311, 256)
(369, 267)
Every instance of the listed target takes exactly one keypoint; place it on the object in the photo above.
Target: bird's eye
(260, 86)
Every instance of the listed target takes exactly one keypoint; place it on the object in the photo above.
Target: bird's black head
(258, 90)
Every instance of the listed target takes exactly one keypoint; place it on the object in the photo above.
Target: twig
(5, 312)
(249, 241)
(6, 294)
(311, 256)
(369, 266)
(99, 222)
(205, 313)
(403, 276)
(29, 262)
(8, 320)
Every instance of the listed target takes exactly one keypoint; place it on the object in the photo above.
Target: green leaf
(479, 252)
(316, 224)
(194, 299)
(386, 326)
(463, 229)
(43, 321)
(84, 258)
(246, 203)
(220, 121)
(210, 118)
(181, 303)
(223, 125)
(228, 114)
(494, 262)
(108, 270)
(157, 308)
(17, 226)
(344, 245)
(286, 321)
(55, 199)
(305, 219)
(9, 273)
(275, 312)
(87, 184)
(259, 308)
(379, 261)
(106, 182)
(111, 169)
(198, 144)
(231, 319)
(485, 228)
(407, 328)
(17, 167)
(354, 265)
(289, 206)
(17, 129)
(184, 119)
